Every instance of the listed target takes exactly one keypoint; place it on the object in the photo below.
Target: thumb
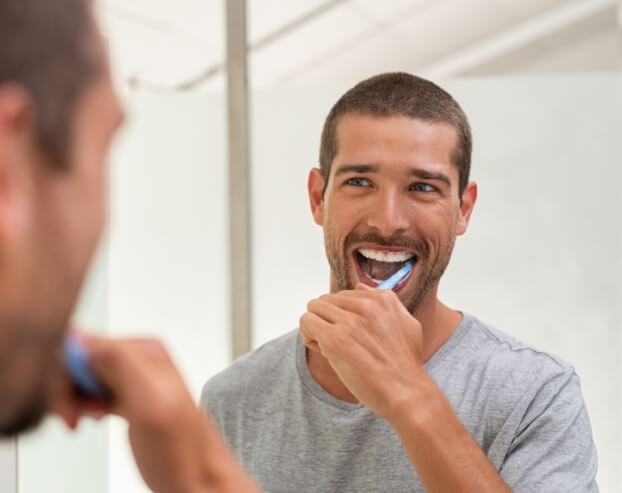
(363, 287)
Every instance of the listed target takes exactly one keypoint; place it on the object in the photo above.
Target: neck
(438, 322)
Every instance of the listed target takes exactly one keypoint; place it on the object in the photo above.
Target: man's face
(392, 195)
(47, 253)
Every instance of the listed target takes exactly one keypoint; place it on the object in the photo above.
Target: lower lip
(369, 282)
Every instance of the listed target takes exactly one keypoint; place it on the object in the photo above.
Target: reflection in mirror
(540, 82)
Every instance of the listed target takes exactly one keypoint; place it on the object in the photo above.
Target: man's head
(393, 184)
(400, 94)
(58, 112)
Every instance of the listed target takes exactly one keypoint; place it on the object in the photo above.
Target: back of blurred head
(58, 112)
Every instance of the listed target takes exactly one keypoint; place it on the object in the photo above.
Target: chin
(27, 414)
(27, 382)
(24, 420)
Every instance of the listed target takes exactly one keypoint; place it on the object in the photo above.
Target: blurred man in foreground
(58, 115)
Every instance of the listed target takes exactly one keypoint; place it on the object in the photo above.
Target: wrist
(414, 407)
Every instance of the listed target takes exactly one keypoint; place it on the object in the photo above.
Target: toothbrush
(398, 277)
(76, 361)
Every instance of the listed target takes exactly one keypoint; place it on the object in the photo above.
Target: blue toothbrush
(76, 361)
(398, 277)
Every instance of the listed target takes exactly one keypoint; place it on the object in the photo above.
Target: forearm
(220, 471)
(443, 453)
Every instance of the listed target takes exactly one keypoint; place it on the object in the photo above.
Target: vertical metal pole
(239, 210)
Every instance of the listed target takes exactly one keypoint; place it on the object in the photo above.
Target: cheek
(343, 217)
(436, 227)
(93, 182)
(90, 191)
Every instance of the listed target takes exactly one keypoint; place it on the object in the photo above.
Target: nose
(389, 214)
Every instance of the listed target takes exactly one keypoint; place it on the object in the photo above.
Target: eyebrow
(428, 175)
(356, 168)
(372, 168)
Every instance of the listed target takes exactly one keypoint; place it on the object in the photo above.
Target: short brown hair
(400, 94)
(49, 48)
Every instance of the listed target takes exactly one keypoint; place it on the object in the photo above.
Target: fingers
(72, 409)
(70, 406)
(134, 371)
(364, 287)
(346, 302)
(360, 301)
(112, 359)
(325, 308)
(312, 329)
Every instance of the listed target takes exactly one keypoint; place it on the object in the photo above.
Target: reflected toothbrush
(76, 360)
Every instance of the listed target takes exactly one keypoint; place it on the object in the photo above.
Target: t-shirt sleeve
(553, 449)
(209, 403)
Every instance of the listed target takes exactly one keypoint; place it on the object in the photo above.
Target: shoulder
(252, 373)
(515, 370)
(505, 352)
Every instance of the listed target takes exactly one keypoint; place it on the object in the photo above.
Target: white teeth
(384, 256)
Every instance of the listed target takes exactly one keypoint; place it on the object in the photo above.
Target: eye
(357, 182)
(422, 187)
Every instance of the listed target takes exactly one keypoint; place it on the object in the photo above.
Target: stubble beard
(430, 269)
(33, 333)
(29, 365)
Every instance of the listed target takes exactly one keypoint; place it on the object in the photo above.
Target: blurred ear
(469, 197)
(16, 152)
(315, 186)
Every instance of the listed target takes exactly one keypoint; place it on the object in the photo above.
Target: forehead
(395, 141)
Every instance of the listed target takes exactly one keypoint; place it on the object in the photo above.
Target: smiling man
(392, 390)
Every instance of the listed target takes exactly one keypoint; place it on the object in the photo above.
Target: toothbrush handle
(396, 278)
(76, 360)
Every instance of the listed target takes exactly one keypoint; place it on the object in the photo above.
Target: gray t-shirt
(524, 408)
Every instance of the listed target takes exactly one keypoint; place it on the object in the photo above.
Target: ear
(315, 187)
(469, 197)
(16, 140)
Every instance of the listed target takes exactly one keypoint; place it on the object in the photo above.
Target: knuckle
(340, 337)
(106, 353)
(367, 304)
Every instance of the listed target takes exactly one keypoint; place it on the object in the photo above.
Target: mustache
(417, 245)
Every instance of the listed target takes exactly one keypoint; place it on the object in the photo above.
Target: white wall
(542, 257)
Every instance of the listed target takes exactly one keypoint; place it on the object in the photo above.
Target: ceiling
(161, 44)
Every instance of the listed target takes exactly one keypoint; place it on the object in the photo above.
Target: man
(392, 390)
(58, 114)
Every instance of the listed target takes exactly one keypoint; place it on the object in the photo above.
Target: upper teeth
(385, 256)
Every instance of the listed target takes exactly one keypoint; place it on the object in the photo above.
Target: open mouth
(376, 265)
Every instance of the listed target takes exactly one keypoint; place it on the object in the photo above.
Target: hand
(372, 343)
(176, 447)
(375, 347)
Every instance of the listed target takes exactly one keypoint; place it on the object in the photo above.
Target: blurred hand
(176, 447)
